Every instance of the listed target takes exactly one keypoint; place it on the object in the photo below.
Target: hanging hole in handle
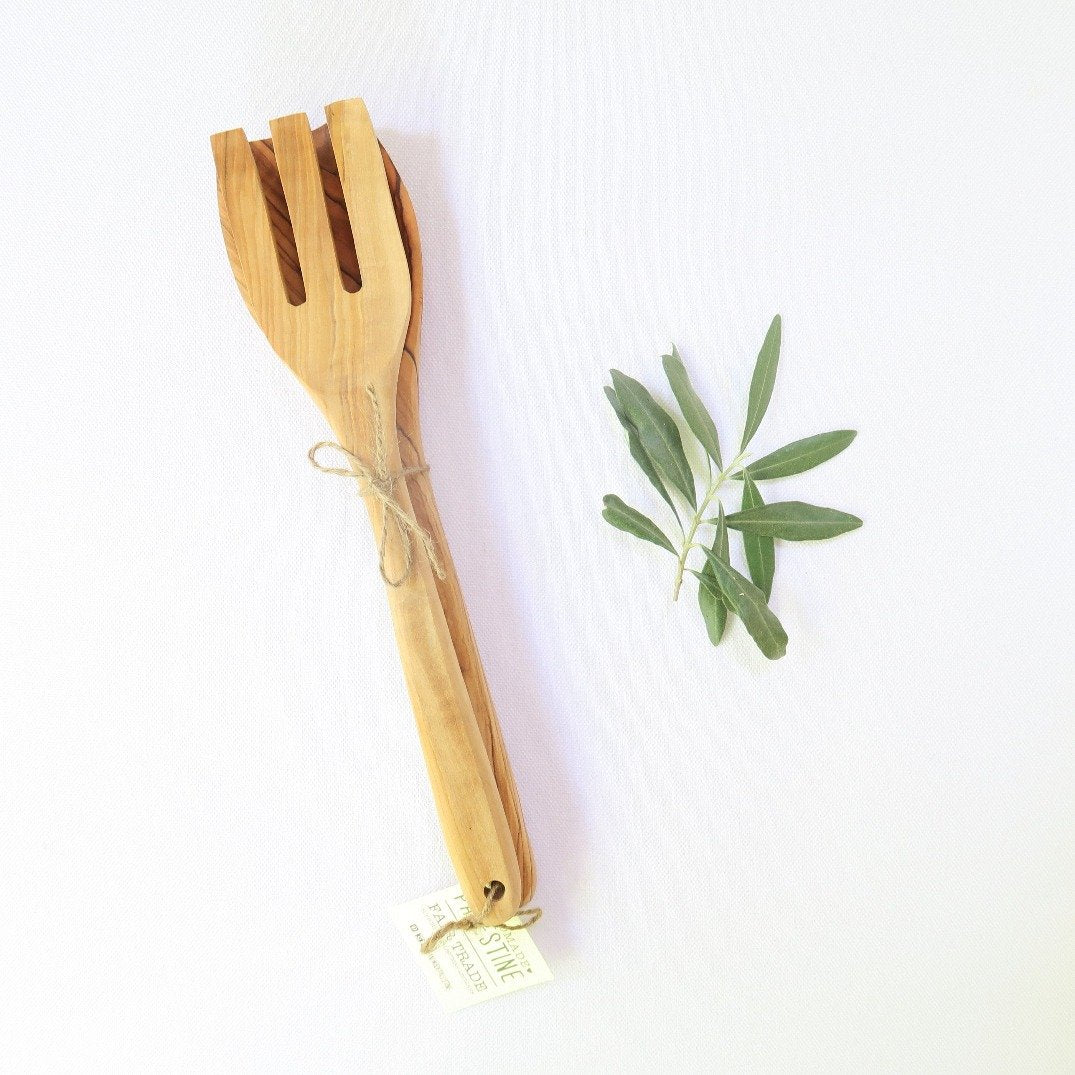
(494, 890)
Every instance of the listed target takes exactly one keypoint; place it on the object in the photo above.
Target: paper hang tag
(473, 966)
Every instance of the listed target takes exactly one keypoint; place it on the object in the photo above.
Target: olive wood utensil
(345, 347)
(410, 445)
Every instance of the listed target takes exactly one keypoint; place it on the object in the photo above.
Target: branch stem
(697, 519)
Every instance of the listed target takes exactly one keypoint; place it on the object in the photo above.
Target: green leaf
(610, 392)
(799, 455)
(793, 520)
(759, 548)
(694, 410)
(711, 599)
(658, 433)
(748, 602)
(638, 453)
(761, 384)
(713, 603)
(624, 517)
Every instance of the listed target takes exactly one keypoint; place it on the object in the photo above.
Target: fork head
(337, 328)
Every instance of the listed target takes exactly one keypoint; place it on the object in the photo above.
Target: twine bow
(378, 481)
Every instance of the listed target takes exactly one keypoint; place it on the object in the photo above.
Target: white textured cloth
(856, 859)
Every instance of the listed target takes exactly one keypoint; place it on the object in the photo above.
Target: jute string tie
(476, 921)
(378, 481)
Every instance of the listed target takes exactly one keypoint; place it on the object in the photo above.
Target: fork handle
(470, 664)
(465, 792)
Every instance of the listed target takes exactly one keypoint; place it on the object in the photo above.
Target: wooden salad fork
(410, 443)
(345, 346)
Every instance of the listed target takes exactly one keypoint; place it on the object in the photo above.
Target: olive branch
(656, 445)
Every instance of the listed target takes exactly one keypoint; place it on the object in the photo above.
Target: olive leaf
(799, 455)
(761, 384)
(748, 603)
(694, 410)
(658, 433)
(713, 603)
(631, 521)
(793, 520)
(711, 599)
(759, 548)
(638, 453)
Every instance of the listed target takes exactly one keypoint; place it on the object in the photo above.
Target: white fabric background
(856, 859)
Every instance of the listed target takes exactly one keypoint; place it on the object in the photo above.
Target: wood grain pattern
(339, 340)
(410, 443)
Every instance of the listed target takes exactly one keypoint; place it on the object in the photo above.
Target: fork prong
(300, 175)
(245, 221)
(381, 257)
